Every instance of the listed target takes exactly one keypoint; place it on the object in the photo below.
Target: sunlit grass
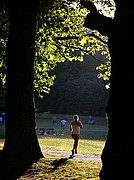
(60, 144)
(49, 168)
(53, 167)
(92, 138)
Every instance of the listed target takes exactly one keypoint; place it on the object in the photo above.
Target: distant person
(54, 120)
(63, 123)
(75, 127)
(90, 120)
(2, 118)
(41, 131)
(1, 121)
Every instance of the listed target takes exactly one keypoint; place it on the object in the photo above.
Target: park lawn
(52, 168)
(65, 145)
(92, 141)
(59, 168)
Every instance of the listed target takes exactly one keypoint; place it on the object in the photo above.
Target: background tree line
(76, 89)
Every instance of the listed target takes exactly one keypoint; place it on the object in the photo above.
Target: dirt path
(80, 157)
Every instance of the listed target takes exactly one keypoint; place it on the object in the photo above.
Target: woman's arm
(80, 124)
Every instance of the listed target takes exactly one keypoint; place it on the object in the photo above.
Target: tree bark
(117, 155)
(21, 143)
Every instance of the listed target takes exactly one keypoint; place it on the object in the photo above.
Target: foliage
(60, 36)
(3, 41)
(105, 7)
(105, 69)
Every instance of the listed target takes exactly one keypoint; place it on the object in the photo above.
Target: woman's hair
(76, 117)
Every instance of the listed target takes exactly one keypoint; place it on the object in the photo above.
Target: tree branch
(96, 21)
(66, 38)
(80, 49)
(76, 37)
(89, 5)
(100, 39)
(99, 22)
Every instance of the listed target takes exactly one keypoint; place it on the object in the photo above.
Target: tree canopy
(60, 36)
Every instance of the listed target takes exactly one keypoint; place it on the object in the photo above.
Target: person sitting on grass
(75, 126)
(90, 120)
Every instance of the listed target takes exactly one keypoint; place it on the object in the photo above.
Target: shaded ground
(57, 168)
(59, 165)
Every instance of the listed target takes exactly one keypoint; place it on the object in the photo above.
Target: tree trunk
(21, 143)
(117, 155)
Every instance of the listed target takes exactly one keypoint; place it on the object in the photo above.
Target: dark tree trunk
(21, 143)
(117, 155)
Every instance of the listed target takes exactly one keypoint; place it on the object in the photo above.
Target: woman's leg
(75, 145)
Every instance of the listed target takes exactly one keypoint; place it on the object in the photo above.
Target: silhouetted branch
(76, 37)
(89, 5)
(92, 34)
(97, 21)
(66, 38)
(83, 50)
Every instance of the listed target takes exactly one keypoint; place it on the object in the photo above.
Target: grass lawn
(50, 167)
(92, 139)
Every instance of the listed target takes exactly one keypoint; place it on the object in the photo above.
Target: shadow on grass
(11, 169)
(59, 162)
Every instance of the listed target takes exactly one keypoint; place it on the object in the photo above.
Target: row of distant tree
(77, 89)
